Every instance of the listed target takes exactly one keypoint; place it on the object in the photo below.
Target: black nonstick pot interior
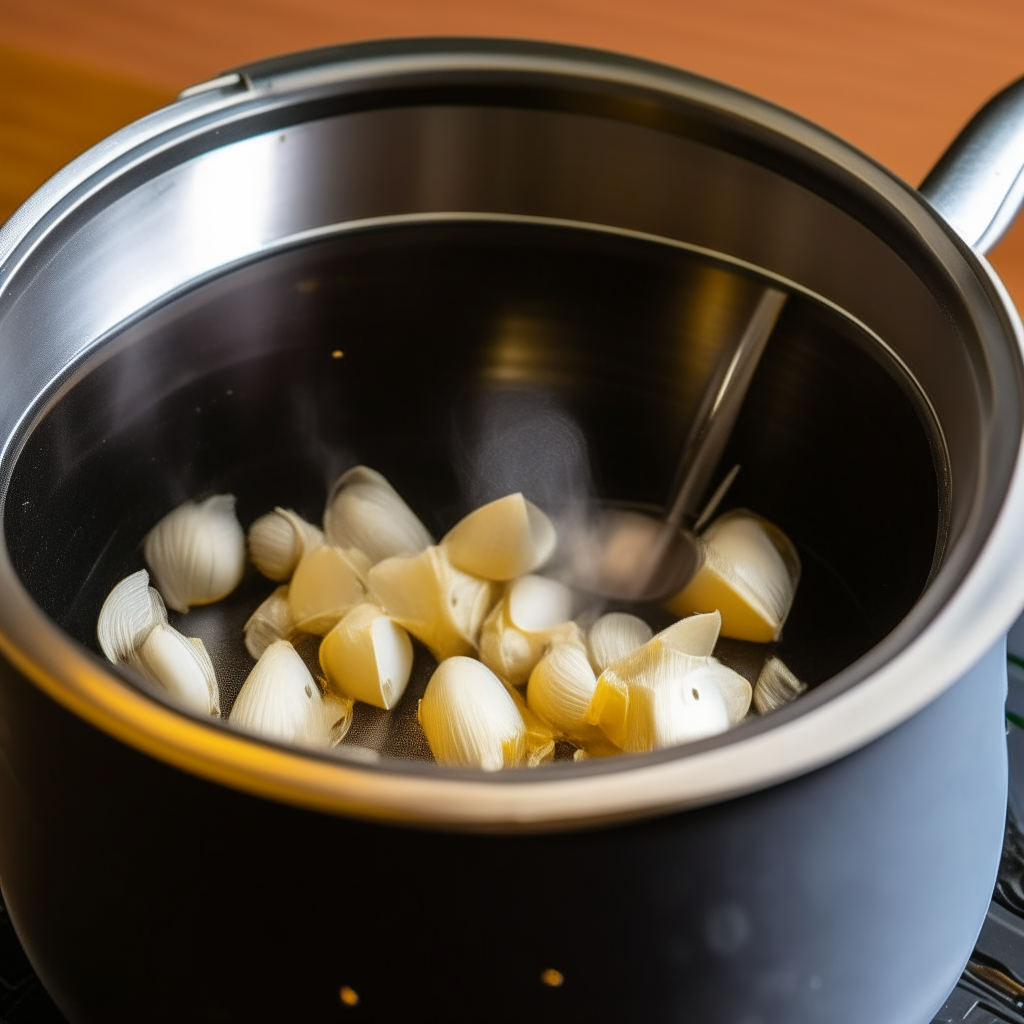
(465, 360)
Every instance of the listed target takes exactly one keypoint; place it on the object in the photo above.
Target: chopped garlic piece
(749, 574)
(368, 657)
(327, 583)
(182, 666)
(735, 690)
(469, 718)
(776, 686)
(441, 606)
(502, 540)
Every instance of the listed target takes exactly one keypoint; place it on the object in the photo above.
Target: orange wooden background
(895, 77)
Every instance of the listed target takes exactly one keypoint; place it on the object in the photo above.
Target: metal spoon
(626, 555)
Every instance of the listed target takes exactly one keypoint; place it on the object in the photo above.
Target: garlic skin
(533, 614)
(364, 511)
(695, 635)
(776, 686)
(441, 606)
(735, 690)
(367, 657)
(502, 540)
(560, 690)
(182, 667)
(278, 540)
(613, 636)
(327, 583)
(197, 552)
(469, 718)
(540, 737)
(271, 621)
(130, 611)
(749, 573)
(645, 701)
(279, 700)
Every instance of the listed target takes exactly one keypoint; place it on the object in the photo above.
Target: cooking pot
(480, 265)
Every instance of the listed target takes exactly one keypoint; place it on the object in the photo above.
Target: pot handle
(978, 183)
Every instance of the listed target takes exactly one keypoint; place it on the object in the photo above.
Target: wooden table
(895, 77)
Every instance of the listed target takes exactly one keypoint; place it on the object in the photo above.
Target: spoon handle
(719, 410)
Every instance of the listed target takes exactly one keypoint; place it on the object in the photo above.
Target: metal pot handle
(978, 183)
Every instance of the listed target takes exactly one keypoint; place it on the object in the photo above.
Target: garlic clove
(130, 611)
(540, 737)
(182, 667)
(533, 614)
(278, 540)
(776, 686)
(502, 540)
(279, 700)
(560, 690)
(441, 606)
(469, 718)
(335, 720)
(368, 657)
(695, 635)
(631, 713)
(749, 573)
(271, 621)
(326, 584)
(613, 636)
(364, 511)
(197, 552)
(735, 690)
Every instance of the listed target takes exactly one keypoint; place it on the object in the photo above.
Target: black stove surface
(991, 990)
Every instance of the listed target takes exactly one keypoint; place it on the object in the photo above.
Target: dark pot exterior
(851, 894)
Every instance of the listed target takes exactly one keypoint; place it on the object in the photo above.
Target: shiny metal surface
(978, 183)
(338, 141)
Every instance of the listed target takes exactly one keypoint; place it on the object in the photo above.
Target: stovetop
(991, 990)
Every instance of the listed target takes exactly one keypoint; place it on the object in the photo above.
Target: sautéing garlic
(364, 511)
(776, 686)
(130, 611)
(441, 606)
(533, 614)
(182, 666)
(749, 574)
(469, 718)
(613, 636)
(560, 690)
(367, 657)
(502, 540)
(280, 700)
(278, 540)
(271, 621)
(197, 552)
(326, 584)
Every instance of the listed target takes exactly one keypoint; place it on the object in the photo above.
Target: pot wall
(142, 893)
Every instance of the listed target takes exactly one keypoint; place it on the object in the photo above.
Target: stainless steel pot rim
(814, 733)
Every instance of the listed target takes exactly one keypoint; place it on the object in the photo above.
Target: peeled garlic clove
(560, 690)
(279, 699)
(441, 606)
(502, 540)
(735, 690)
(364, 511)
(469, 718)
(533, 614)
(182, 666)
(613, 636)
(625, 707)
(130, 611)
(368, 657)
(197, 552)
(749, 574)
(775, 686)
(695, 635)
(271, 621)
(326, 585)
(540, 737)
(278, 540)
